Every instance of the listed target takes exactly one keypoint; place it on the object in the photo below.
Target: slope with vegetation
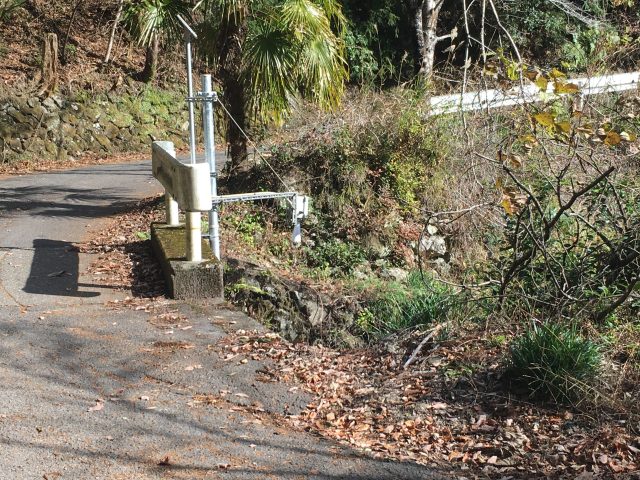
(471, 282)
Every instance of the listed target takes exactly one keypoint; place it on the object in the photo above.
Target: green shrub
(553, 361)
(8, 8)
(396, 306)
(335, 257)
(248, 225)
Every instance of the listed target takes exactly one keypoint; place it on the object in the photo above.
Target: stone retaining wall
(56, 127)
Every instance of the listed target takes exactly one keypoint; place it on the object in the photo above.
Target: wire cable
(255, 147)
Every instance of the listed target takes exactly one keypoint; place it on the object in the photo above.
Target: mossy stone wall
(59, 127)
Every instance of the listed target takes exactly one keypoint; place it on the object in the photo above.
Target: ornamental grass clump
(553, 361)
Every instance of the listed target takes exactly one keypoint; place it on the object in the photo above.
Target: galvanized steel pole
(209, 97)
(192, 123)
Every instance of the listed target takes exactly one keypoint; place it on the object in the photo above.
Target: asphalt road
(88, 392)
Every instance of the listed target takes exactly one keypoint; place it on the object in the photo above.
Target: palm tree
(267, 52)
(147, 21)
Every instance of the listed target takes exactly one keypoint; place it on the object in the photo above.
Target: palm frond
(305, 19)
(269, 59)
(147, 18)
(333, 11)
(230, 10)
(323, 71)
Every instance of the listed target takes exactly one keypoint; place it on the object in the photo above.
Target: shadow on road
(54, 270)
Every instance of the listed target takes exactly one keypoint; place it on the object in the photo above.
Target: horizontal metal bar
(199, 98)
(251, 197)
(487, 99)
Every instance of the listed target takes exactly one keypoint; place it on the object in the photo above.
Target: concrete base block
(186, 280)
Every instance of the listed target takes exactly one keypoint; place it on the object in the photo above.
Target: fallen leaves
(191, 368)
(366, 400)
(97, 407)
(124, 258)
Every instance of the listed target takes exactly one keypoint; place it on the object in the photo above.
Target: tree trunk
(236, 103)
(49, 65)
(230, 73)
(425, 23)
(418, 33)
(63, 46)
(114, 28)
(148, 74)
(430, 14)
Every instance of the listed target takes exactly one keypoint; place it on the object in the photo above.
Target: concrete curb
(186, 280)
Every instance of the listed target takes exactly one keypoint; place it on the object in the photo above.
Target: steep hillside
(83, 37)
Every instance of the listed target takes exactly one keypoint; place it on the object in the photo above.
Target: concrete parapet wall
(186, 280)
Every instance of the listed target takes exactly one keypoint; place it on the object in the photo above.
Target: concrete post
(171, 207)
(193, 231)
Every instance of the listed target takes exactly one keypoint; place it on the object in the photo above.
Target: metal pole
(209, 97)
(192, 123)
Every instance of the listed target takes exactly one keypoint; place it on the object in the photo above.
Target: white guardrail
(186, 186)
(530, 93)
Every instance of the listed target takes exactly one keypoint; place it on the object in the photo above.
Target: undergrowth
(554, 361)
(536, 207)
(393, 306)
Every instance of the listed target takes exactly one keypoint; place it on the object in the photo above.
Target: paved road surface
(61, 349)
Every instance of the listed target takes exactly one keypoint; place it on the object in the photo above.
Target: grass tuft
(553, 361)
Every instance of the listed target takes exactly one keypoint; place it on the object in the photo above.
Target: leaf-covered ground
(437, 412)
(447, 409)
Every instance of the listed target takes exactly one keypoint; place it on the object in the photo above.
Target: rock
(18, 116)
(103, 141)
(69, 118)
(33, 101)
(394, 273)
(122, 120)
(51, 148)
(15, 144)
(50, 104)
(433, 246)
